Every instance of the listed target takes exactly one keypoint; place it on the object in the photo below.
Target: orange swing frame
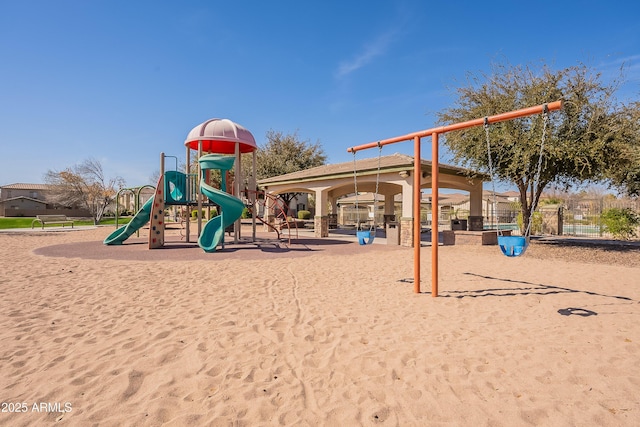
(417, 172)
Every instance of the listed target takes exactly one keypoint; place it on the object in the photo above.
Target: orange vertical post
(435, 177)
(417, 199)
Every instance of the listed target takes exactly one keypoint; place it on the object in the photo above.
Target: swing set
(511, 247)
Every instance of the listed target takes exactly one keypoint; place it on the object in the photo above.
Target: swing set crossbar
(502, 117)
(434, 133)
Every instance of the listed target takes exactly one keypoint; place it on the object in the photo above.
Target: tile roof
(370, 164)
(23, 186)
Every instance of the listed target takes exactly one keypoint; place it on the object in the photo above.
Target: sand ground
(324, 332)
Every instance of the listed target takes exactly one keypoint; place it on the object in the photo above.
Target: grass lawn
(25, 222)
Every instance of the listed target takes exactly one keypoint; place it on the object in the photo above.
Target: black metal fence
(578, 217)
(583, 217)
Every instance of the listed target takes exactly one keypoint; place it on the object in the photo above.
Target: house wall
(8, 193)
(23, 206)
(299, 203)
(17, 207)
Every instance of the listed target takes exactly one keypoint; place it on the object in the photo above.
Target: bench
(52, 219)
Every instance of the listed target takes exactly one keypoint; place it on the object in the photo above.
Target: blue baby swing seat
(366, 237)
(513, 246)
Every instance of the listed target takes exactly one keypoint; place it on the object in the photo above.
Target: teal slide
(213, 232)
(138, 221)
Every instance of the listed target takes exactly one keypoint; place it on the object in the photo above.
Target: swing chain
(536, 179)
(375, 195)
(378, 174)
(355, 185)
(491, 172)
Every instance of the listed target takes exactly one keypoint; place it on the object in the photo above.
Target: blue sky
(122, 81)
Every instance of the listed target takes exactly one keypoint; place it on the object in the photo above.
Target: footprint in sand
(162, 335)
(135, 382)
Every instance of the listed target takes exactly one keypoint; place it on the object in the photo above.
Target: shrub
(304, 215)
(621, 222)
(246, 213)
(194, 213)
(536, 225)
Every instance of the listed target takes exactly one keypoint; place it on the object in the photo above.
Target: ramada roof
(388, 163)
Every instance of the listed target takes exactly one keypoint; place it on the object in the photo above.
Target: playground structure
(434, 133)
(219, 144)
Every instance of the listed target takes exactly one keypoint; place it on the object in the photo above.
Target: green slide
(138, 221)
(213, 232)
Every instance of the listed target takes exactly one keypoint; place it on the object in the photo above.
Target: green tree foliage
(583, 140)
(621, 222)
(246, 213)
(284, 154)
(625, 174)
(84, 185)
(536, 223)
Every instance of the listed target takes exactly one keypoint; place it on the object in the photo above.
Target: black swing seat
(513, 246)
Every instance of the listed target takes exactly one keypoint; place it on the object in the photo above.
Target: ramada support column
(406, 218)
(389, 203)
(321, 219)
(268, 211)
(476, 222)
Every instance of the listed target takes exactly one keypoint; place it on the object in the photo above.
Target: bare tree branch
(84, 185)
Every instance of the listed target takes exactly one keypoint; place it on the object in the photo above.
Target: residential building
(22, 199)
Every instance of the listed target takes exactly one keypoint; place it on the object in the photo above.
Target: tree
(583, 140)
(625, 174)
(84, 185)
(284, 154)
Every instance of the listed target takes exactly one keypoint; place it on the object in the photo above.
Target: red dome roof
(220, 136)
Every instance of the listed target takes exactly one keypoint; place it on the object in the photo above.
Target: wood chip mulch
(616, 253)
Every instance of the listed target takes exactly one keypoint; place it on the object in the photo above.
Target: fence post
(560, 220)
(600, 216)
